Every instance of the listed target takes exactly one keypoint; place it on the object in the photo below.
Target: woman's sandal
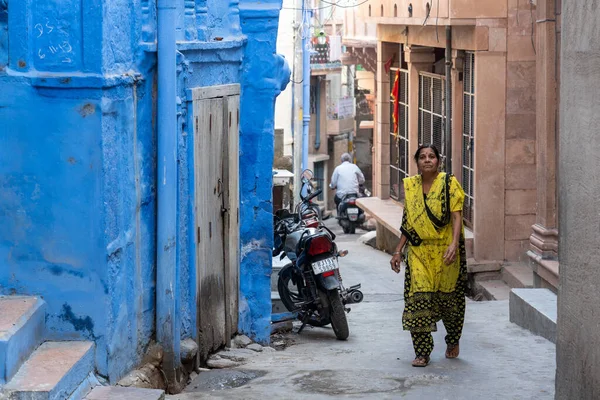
(420, 361)
(452, 351)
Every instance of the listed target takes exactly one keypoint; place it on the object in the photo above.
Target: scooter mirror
(307, 174)
(342, 253)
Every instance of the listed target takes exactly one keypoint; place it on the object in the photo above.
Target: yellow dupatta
(427, 224)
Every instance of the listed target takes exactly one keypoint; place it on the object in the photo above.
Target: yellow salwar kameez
(433, 291)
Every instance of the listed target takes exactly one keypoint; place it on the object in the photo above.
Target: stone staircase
(534, 309)
(494, 280)
(34, 369)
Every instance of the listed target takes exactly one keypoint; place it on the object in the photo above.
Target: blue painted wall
(78, 170)
(77, 190)
(264, 75)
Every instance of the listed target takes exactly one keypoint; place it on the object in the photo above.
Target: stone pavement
(498, 360)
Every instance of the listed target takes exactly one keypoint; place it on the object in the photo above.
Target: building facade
(106, 169)
(501, 112)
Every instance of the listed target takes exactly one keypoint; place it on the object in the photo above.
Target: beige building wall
(500, 33)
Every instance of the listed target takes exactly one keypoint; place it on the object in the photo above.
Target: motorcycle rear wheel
(337, 314)
(290, 297)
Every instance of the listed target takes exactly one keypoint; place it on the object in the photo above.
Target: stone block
(492, 290)
(521, 74)
(519, 22)
(520, 126)
(255, 347)
(520, 176)
(189, 349)
(520, 100)
(520, 48)
(477, 267)
(518, 227)
(221, 363)
(491, 22)
(237, 355)
(517, 276)
(54, 368)
(519, 5)
(277, 306)
(534, 310)
(520, 151)
(497, 39)
(121, 393)
(519, 202)
(241, 341)
(148, 376)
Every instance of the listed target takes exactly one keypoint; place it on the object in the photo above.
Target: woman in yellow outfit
(436, 271)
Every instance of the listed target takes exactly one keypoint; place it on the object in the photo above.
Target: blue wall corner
(264, 75)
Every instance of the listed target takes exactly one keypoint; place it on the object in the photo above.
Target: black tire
(290, 296)
(352, 230)
(337, 314)
(346, 230)
(288, 292)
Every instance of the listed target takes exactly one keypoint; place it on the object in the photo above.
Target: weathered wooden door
(216, 203)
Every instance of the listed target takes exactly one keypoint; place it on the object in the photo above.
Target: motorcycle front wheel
(337, 314)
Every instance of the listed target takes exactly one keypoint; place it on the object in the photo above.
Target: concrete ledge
(22, 325)
(388, 214)
(534, 310)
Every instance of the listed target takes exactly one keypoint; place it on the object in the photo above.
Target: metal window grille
(468, 138)
(399, 157)
(432, 112)
(319, 177)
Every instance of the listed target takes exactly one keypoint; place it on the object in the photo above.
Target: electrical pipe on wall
(318, 124)
(306, 16)
(167, 322)
(448, 99)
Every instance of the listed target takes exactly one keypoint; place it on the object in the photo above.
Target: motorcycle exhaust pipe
(354, 297)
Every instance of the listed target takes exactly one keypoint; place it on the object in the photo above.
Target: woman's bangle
(396, 252)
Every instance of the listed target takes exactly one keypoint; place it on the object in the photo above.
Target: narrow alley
(498, 360)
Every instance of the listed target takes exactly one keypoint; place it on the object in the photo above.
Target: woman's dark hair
(427, 146)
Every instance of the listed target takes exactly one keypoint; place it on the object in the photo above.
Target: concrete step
(517, 276)
(53, 372)
(277, 266)
(123, 393)
(483, 270)
(493, 290)
(277, 306)
(534, 310)
(22, 325)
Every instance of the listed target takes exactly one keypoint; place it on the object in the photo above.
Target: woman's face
(428, 161)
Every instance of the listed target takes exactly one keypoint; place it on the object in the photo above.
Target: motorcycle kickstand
(304, 322)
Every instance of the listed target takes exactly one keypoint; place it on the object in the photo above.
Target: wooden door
(216, 119)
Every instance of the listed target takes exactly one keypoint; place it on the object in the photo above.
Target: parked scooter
(311, 284)
(349, 215)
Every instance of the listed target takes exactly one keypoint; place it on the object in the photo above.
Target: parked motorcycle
(311, 284)
(349, 215)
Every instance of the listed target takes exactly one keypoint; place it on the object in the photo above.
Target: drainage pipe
(318, 122)
(167, 322)
(306, 18)
(448, 99)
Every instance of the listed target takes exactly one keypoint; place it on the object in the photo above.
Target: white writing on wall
(52, 43)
